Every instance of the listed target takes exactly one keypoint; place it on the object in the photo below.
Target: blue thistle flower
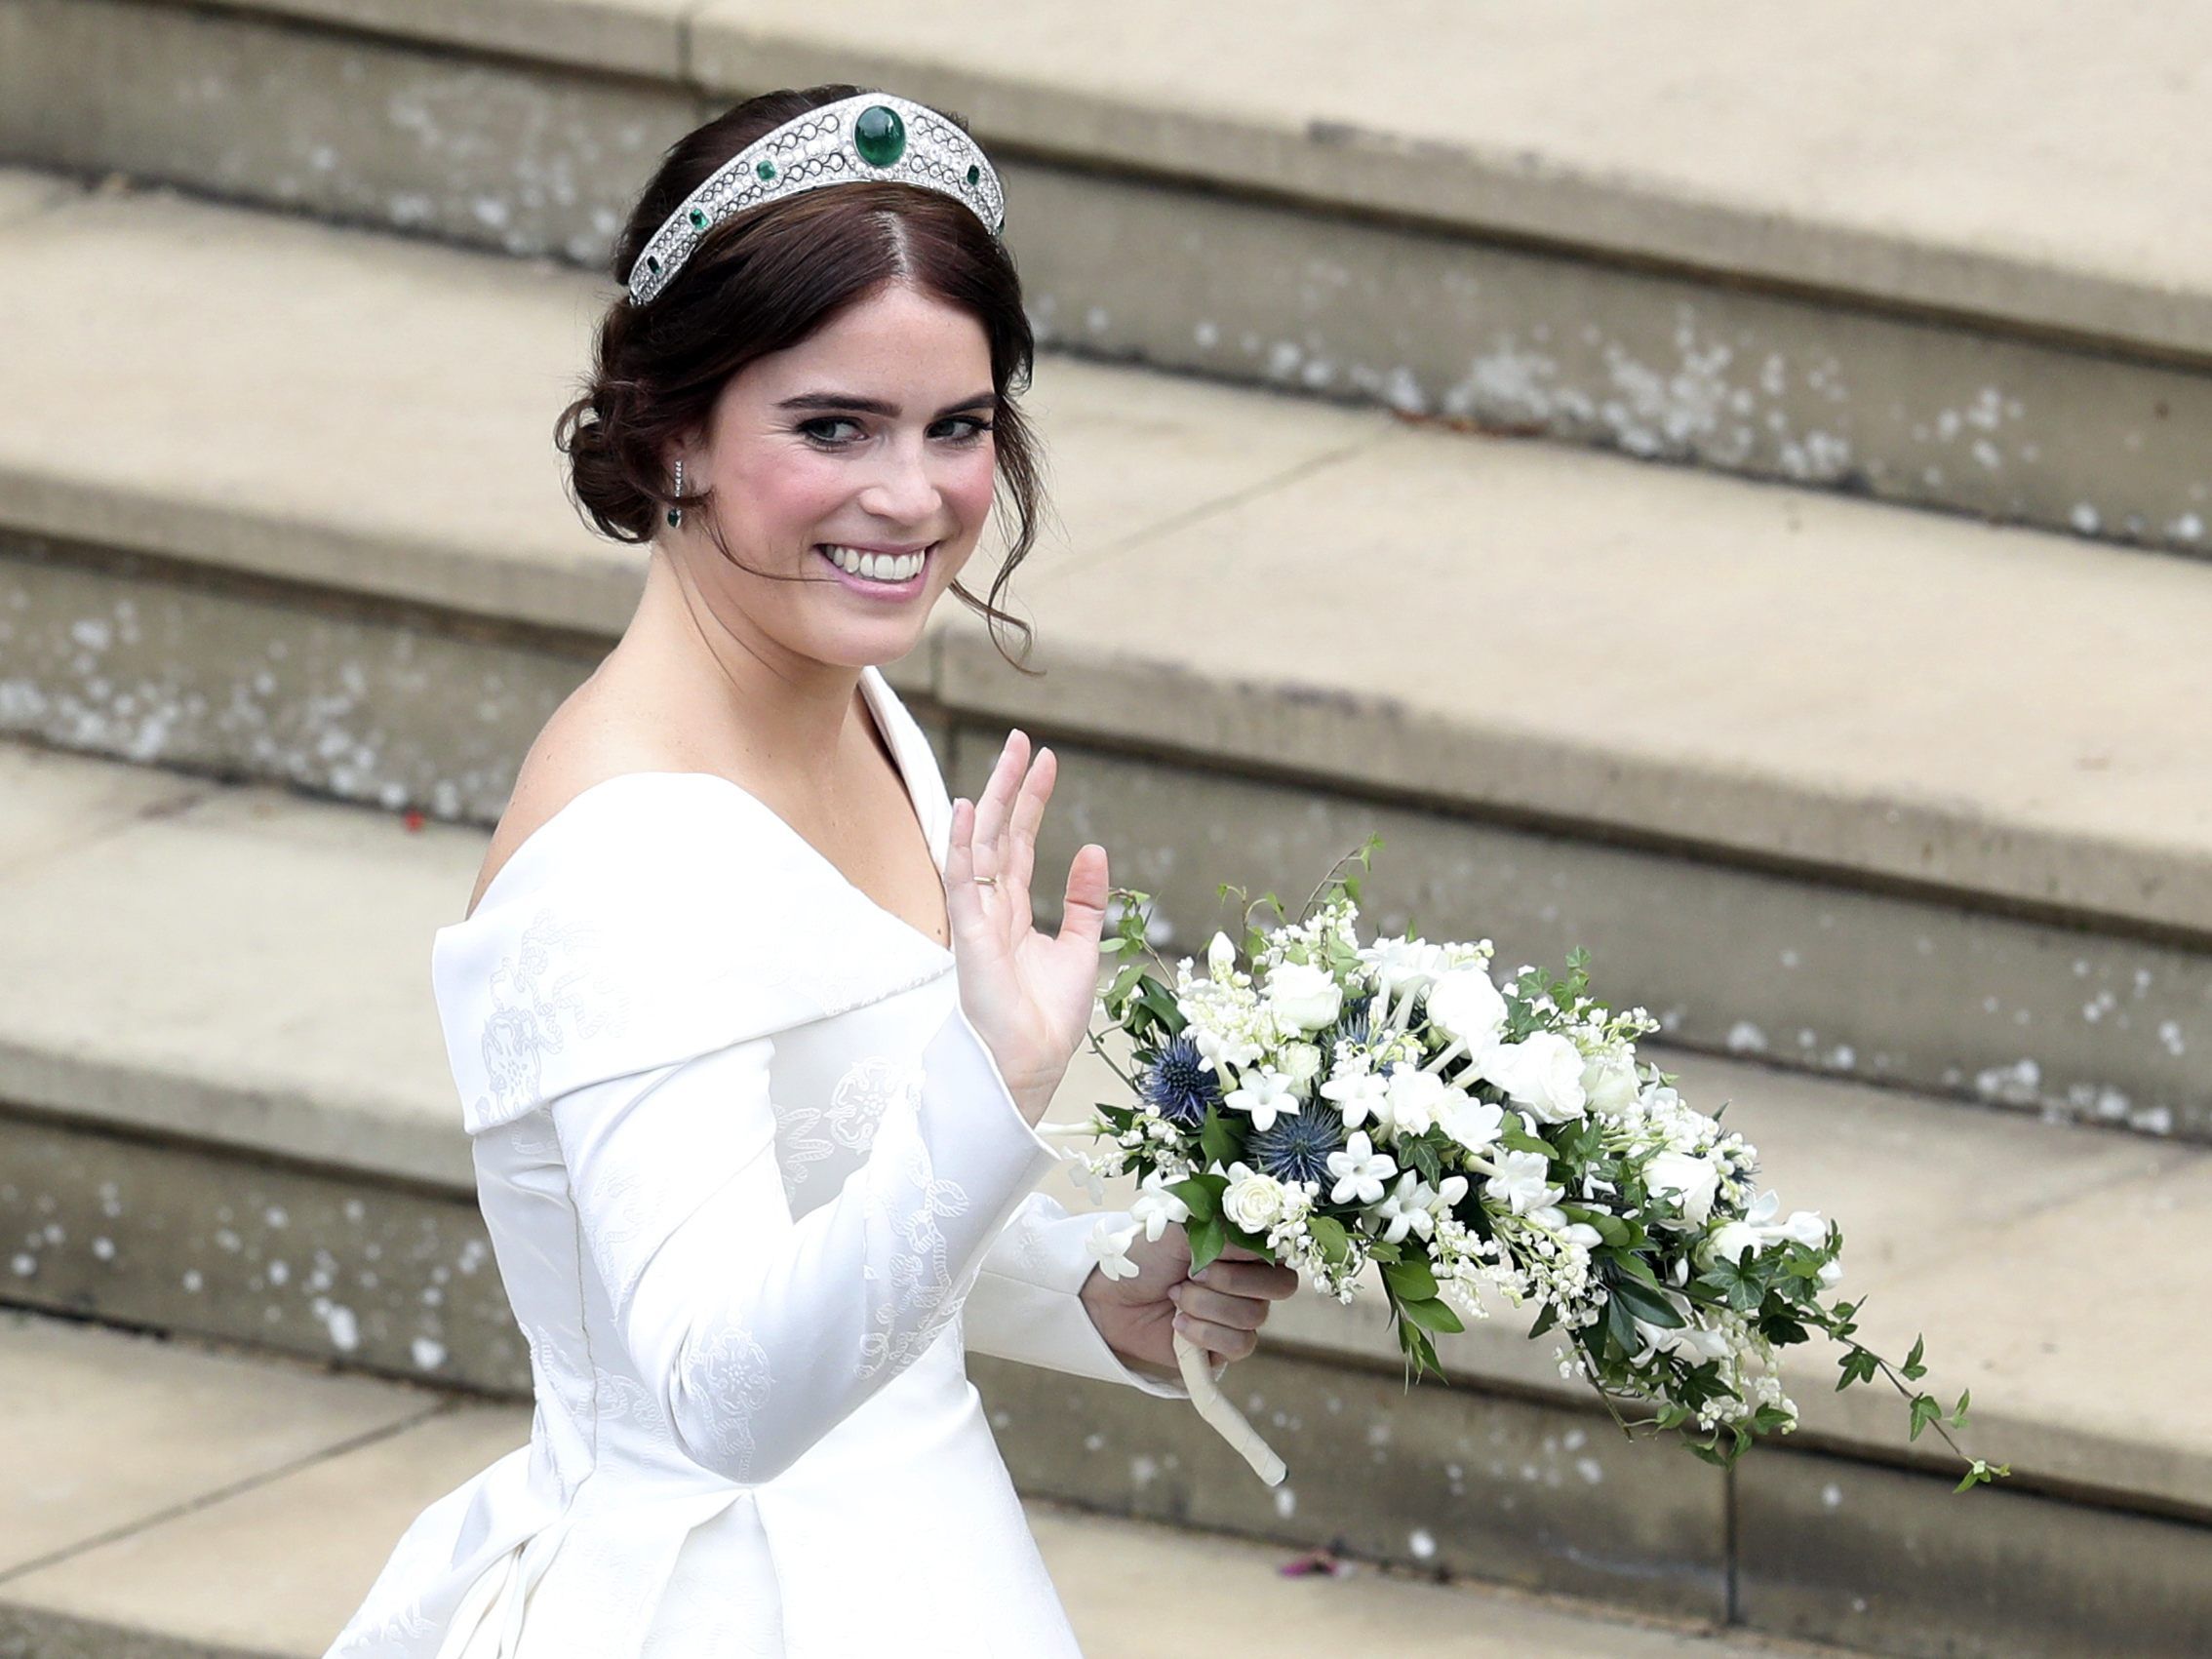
(1296, 1148)
(1177, 1087)
(1357, 1021)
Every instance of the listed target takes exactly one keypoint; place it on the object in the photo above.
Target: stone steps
(1865, 791)
(223, 1112)
(1742, 237)
(146, 1489)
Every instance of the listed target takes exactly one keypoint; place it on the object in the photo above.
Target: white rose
(1609, 1083)
(1695, 1180)
(1466, 1006)
(1303, 996)
(1544, 1073)
(1254, 1200)
(1301, 1063)
(1735, 1240)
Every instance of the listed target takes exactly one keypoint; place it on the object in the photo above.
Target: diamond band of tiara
(868, 137)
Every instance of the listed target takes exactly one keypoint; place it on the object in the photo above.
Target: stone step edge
(1947, 848)
(1330, 167)
(386, 1147)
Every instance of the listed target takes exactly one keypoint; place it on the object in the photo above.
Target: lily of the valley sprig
(1333, 1104)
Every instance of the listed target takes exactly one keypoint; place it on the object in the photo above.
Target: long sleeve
(761, 1332)
(1027, 1304)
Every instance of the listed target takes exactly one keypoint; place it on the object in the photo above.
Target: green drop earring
(675, 514)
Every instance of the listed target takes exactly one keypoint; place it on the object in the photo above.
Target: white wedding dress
(754, 1185)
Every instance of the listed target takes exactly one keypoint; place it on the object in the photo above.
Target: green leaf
(1433, 1314)
(1414, 1281)
(1646, 1305)
(1207, 1239)
(1197, 1191)
(1925, 1410)
(1958, 1416)
(1912, 1367)
(1549, 1318)
(1217, 1140)
(1610, 1227)
(1329, 1237)
(1516, 1138)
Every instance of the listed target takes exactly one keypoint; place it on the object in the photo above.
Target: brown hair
(763, 281)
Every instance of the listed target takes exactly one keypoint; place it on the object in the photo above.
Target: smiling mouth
(856, 567)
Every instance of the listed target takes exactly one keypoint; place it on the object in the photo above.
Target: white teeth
(876, 567)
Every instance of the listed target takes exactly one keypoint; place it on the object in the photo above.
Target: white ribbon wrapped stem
(1228, 1422)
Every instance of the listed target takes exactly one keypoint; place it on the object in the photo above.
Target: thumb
(1083, 911)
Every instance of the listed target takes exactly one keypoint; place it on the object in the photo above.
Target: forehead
(895, 337)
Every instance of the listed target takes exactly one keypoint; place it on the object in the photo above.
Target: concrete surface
(1813, 309)
(306, 1055)
(1815, 700)
(183, 1504)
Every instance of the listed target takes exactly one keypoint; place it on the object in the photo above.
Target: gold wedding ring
(986, 880)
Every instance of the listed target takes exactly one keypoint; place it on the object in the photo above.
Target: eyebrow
(876, 406)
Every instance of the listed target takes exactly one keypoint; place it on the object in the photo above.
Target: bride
(750, 1023)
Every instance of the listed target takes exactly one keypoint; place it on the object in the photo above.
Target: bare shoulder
(588, 741)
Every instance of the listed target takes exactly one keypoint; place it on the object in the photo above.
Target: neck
(742, 700)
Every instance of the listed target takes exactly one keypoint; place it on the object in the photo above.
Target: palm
(1028, 993)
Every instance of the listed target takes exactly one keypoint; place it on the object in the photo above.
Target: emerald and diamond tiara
(867, 138)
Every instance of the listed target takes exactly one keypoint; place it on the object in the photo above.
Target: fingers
(1020, 849)
(995, 805)
(1226, 1336)
(1239, 1272)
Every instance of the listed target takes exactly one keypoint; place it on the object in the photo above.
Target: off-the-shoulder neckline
(871, 683)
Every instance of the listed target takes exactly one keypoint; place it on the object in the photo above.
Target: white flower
(1265, 1096)
(1109, 1245)
(1522, 1181)
(1253, 1199)
(1357, 1094)
(1216, 1049)
(1608, 1080)
(1084, 1176)
(1544, 1073)
(1695, 1180)
(1301, 1063)
(1360, 1170)
(1413, 1204)
(1414, 1096)
(1473, 1124)
(1156, 1207)
(1303, 996)
(1466, 1006)
(1831, 1272)
(1220, 958)
(1735, 1240)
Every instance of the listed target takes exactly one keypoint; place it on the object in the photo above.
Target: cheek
(971, 483)
(797, 488)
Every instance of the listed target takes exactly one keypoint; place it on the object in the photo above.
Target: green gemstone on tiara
(765, 169)
(973, 173)
(698, 218)
(652, 264)
(879, 136)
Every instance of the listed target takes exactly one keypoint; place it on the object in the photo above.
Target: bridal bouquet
(1329, 1103)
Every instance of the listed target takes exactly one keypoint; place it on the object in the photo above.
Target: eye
(977, 428)
(806, 428)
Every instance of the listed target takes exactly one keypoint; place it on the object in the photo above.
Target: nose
(902, 490)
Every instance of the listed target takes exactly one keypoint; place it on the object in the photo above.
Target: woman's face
(874, 434)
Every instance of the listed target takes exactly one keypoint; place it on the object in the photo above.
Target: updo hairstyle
(761, 281)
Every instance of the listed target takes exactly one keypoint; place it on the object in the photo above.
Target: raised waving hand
(1028, 994)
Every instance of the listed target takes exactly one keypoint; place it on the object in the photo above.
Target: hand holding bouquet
(1327, 1104)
